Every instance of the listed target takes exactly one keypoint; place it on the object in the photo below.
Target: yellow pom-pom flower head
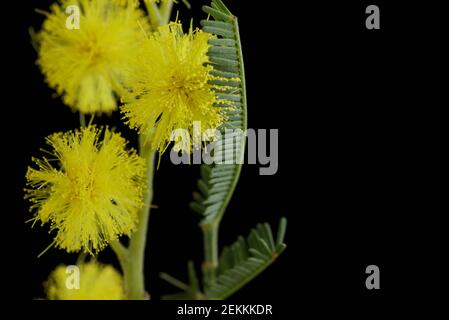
(96, 282)
(92, 195)
(170, 87)
(88, 65)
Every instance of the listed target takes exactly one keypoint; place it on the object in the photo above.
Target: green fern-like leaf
(245, 259)
(218, 181)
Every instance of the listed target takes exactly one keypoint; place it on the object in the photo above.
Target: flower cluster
(89, 187)
(90, 190)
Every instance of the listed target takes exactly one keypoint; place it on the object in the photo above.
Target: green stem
(134, 267)
(210, 264)
(175, 282)
(166, 9)
(82, 120)
(132, 258)
(121, 252)
(156, 18)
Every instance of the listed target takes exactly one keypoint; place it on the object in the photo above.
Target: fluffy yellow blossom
(89, 190)
(170, 87)
(88, 65)
(96, 282)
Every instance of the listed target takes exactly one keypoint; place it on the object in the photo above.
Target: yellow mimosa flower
(170, 86)
(88, 64)
(90, 190)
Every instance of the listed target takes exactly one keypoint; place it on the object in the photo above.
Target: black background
(360, 177)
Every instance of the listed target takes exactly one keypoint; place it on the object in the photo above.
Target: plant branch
(173, 281)
(134, 270)
(82, 120)
(121, 252)
(156, 18)
(210, 264)
(132, 258)
(166, 9)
